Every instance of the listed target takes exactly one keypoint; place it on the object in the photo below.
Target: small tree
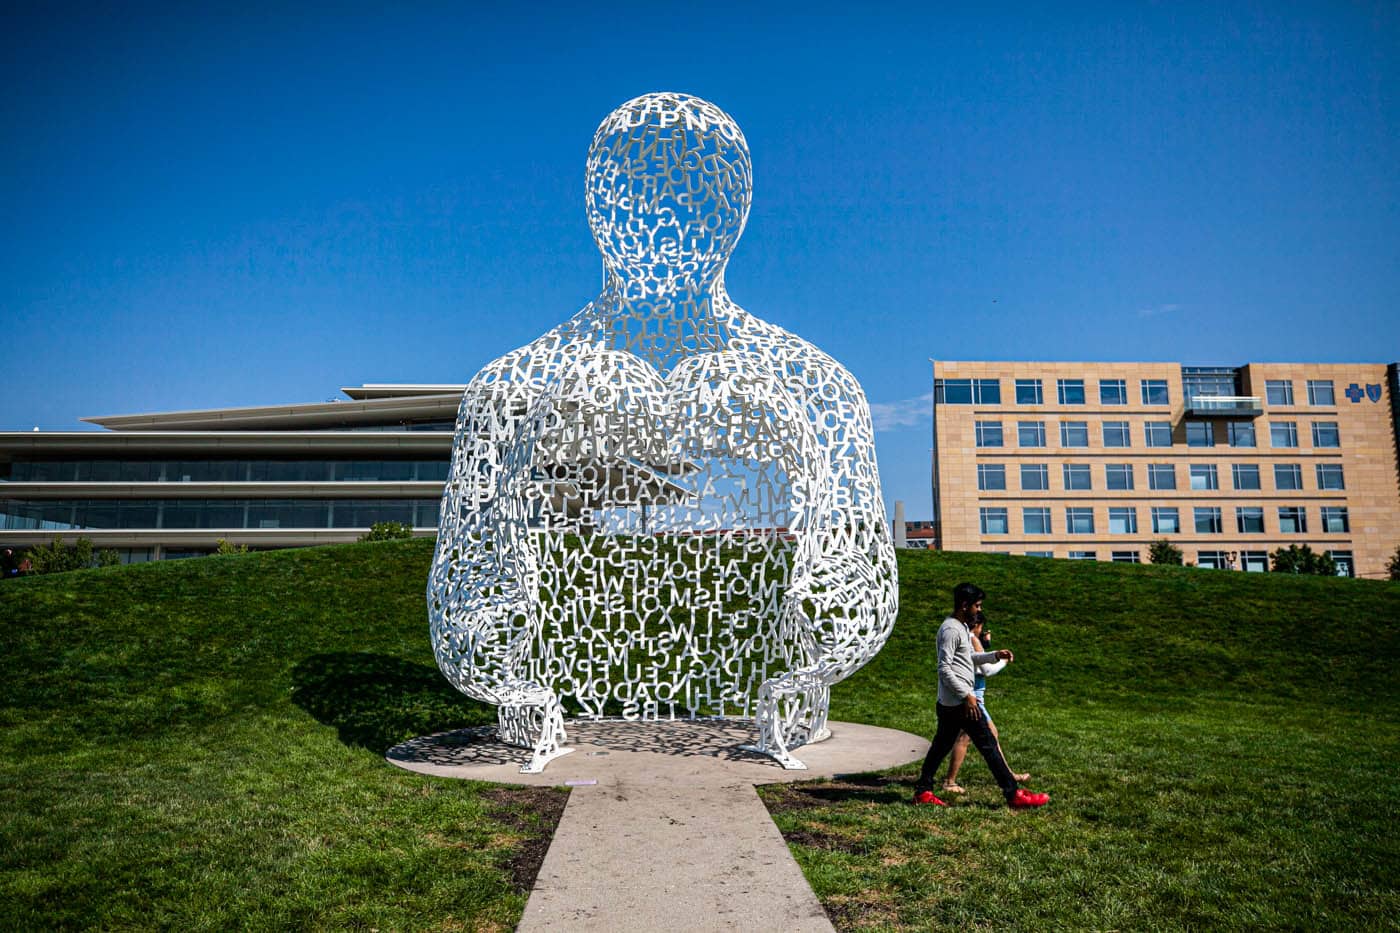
(57, 557)
(228, 547)
(1303, 559)
(1393, 566)
(387, 531)
(1164, 552)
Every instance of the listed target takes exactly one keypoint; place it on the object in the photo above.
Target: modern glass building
(172, 484)
(1094, 461)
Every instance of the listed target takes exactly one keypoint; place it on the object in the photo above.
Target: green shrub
(1303, 559)
(1393, 566)
(57, 557)
(387, 531)
(1164, 552)
(228, 547)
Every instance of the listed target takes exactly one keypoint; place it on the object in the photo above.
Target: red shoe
(926, 797)
(1024, 799)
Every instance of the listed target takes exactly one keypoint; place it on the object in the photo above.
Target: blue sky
(251, 205)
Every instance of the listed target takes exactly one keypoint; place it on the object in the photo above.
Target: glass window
(1117, 434)
(1074, 433)
(1126, 557)
(1122, 520)
(1213, 560)
(986, 391)
(1161, 476)
(1203, 476)
(1283, 433)
(952, 391)
(1158, 433)
(1288, 476)
(991, 476)
(989, 434)
(1118, 475)
(1292, 520)
(1346, 567)
(1113, 392)
(1077, 476)
(1320, 392)
(1030, 433)
(1036, 521)
(1200, 434)
(1242, 434)
(1246, 475)
(1154, 392)
(1325, 434)
(1334, 519)
(1254, 561)
(1035, 476)
(1071, 391)
(1208, 520)
(1249, 520)
(1329, 476)
(1079, 521)
(993, 521)
(1278, 391)
(1028, 392)
(1083, 555)
(1040, 553)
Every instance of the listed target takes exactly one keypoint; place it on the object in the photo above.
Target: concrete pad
(663, 829)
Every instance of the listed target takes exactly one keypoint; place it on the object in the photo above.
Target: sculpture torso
(664, 502)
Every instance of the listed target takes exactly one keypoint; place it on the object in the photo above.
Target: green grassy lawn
(1221, 751)
(198, 745)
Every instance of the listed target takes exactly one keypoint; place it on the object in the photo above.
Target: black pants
(951, 721)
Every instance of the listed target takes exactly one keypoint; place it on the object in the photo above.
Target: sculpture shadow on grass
(376, 701)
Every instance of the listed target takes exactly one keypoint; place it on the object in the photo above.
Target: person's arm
(950, 675)
(988, 670)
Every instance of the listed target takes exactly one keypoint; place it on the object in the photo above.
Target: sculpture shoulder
(801, 356)
(535, 363)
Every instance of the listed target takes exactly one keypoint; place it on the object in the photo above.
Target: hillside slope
(198, 743)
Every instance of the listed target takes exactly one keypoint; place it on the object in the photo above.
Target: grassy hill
(198, 744)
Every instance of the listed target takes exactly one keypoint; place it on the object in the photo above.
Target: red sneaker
(1024, 799)
(926, 797)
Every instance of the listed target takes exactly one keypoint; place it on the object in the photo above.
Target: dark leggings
(951, 721)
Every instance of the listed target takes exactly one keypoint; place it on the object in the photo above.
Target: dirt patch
(872, 789)
(869, 909)
(829, 842)
(531, 815)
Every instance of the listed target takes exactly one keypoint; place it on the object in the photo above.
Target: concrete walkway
(663, 829)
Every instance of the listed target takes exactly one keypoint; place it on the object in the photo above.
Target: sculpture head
(669, 183)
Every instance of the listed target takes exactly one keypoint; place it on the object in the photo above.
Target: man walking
(957, 704)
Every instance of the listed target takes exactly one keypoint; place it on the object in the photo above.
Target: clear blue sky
(259, 206)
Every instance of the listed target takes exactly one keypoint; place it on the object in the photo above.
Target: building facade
(173, 484)
(1098, 460)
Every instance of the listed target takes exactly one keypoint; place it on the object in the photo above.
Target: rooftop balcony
(1223, 406)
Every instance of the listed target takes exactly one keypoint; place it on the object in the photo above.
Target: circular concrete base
(693, 751)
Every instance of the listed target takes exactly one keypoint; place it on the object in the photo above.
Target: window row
(1110, 391)
(1280, 392)
(78, 514)
(1035, 477)
(1166, 520)
(1282, 434)
(222, 471)
(1032, 391)
(1249, 561)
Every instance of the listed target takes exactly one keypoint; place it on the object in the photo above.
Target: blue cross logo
(1354, 393)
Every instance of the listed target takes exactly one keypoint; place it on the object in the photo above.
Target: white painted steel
(664, 507)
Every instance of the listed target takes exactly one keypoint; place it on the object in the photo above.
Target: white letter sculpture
(664, 504)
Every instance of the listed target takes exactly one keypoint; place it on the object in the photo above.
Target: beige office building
(1096, 461)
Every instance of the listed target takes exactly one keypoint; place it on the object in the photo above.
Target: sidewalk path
(672, 836)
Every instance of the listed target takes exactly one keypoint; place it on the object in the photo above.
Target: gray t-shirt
(955, 662)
